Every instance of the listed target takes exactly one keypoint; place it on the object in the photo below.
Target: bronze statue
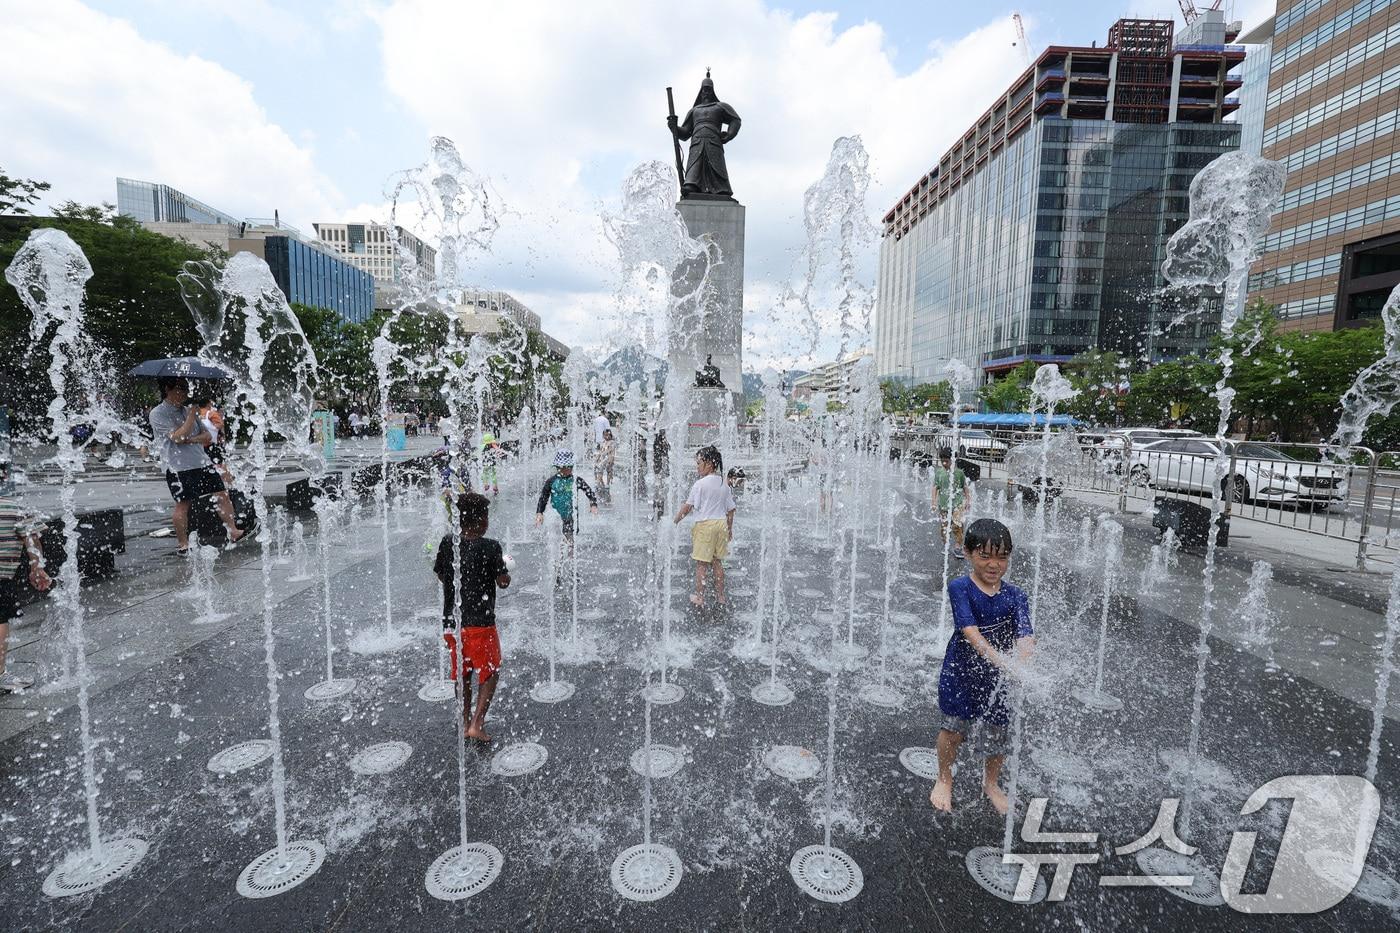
(707, 376)
(709, 125)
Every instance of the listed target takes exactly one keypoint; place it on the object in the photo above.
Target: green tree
(133, 307)
(1097, 376)
(17, 195)
(1012, 392)
(1178, 391)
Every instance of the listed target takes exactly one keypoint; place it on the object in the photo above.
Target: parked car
(971, 443)
(1109, 447)
(1262, 473)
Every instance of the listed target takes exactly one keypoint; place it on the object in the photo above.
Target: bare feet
(235, 536)
(997, 797)
(696, 599)
(942, 795)
(477, 734)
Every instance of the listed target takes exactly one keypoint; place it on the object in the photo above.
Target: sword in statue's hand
(675, 140)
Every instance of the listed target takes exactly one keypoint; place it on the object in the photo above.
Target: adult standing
(188, 472)
(600, 424)
(355, 422)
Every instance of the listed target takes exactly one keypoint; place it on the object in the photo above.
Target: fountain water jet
(1233, 200)
(50, 273)
(241, 315)
(328, 510)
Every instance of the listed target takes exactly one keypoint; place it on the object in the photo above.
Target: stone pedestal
(713, 324)
(707, 411)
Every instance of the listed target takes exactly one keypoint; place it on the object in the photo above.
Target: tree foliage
(133, 307)
(916, 400)
(1011, 392)
(17, 195)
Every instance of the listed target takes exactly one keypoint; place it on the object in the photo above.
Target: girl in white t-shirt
(712, 501)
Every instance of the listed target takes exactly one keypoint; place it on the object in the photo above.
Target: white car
(1262, 474)
(971, 443)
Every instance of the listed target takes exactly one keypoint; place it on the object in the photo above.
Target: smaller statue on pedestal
(707, 376)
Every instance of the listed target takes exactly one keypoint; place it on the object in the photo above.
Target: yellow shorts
(709, 540)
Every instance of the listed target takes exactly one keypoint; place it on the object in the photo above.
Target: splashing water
(1257, 617)
(838, 228)
(250, 332)
(50, 272)
(1233, 200)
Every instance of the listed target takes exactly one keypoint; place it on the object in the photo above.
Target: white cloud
(556, 102)
(90, 99)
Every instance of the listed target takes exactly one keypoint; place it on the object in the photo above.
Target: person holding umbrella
(188, 471)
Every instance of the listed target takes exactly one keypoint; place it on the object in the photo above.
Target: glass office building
(154, 203)
(1041, 233)
(1331, 115)
(311, 277)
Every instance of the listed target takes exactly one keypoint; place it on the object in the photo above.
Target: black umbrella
(189, 367)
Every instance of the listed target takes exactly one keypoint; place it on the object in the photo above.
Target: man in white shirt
(188, 471)
(600, 424)
(712, 501)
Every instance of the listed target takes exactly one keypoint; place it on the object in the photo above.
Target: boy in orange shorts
(469, 612)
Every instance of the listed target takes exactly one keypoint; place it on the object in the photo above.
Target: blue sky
(309, 108)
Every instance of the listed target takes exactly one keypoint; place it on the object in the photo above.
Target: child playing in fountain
(712, 501)
(475, 644)
(991, 618)
(558, 491)
(950, 499)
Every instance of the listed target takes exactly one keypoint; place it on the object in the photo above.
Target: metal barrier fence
(1276, 483)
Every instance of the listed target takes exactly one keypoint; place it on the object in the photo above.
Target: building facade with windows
(306, 271)
(1331, 113)
(392, 255)
(150, 202)
(1041, 232)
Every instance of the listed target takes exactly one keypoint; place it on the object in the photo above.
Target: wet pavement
(186, 690)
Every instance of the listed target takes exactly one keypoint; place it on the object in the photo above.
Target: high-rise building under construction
(1040, 233)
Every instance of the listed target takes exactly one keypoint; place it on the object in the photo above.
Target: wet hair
(736, 473)
(711, 455)
(989, 534)
(607, 434)
(166, 383)
(473, 509)
(945, 453)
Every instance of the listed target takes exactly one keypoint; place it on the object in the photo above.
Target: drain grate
(851, 652)
(666, 760)
(792, 762)
(915, 575)
(274, 872)
(1063, 765)
(463, 871)
(662, 694)
(646, 872)
(241, 756)
(381, 758)
(330, 689)
(591, 615)
(826, 873)
(437, 691)
(808, 592)
(772, 693)
(1095, 700)
(81, 872)
(905, 618)
(999, 879)
(920, 761)
(552, 691)
(1163, 864)
(882, 695)
(520, 758)
(1336, 869)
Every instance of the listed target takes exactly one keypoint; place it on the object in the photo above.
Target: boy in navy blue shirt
(991, 618)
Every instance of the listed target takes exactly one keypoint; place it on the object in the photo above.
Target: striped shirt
(16, 523)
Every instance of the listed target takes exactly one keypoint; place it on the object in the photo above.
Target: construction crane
(1189, 11)
(1021, 36)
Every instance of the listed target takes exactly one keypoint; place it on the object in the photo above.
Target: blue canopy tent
(1005, 421)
